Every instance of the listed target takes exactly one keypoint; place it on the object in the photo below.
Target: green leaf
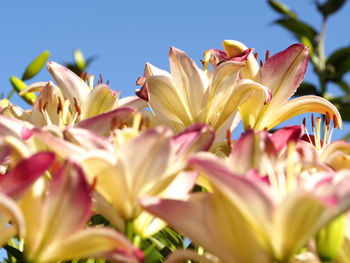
(282, 8)
(36, 65)
(330, 7)
(15, 253)
(344, 109)
(343, 85)
(19, 85)
(299, 28)
(79, 59)
(338, 64)
(306, 88)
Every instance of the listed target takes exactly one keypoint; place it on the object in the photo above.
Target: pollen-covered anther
(267, 55)
(77, 108)
(93, 185)
(228, 137)
(86, 76)
(59, 106)
(335, 121)
(261, 63)
(256, 56)
(40, 105)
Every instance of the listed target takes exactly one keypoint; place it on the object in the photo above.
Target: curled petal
(276, 115)
(34, 87)
(132, 102)
(72, 86)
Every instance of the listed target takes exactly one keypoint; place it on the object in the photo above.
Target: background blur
(124, 35)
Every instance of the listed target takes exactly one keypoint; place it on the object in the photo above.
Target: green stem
(11, 93)
(129, 232)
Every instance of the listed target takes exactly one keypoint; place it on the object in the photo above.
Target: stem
(11, 93)
(321, 44)
(129, 230)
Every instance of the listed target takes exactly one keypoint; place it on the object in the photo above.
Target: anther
(86, 76)
(261, 63)
(107, 82)
(267, 56)
(101, 80)
(328, 119)
(77, 108)
(335, 121)
(40, 105)
(82, 75)
(256, 55)
(228, 137)
(59, 106)
(93, 185)
(304, 122)
(312, 121)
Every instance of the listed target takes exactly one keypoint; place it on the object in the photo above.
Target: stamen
(318, 128)
(82, 75)
(93, 185)
(267, 56)
(206, 61)
(77, 108)
(59, 106)
(256, 56)
(306, 131)
(65, 111)
(328, 119)
(136, 125)
(107, 82)
(40, 105)
(228, 137)
(261, 63)
(101, 80)
(335, 121)
(86, 76)
(91, 82)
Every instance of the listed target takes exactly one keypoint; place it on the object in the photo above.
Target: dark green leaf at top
(330, 7)
(299, 28)
(36, 65)
(338, 64)
(306, 88)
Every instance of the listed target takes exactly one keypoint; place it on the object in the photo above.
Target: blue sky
(124, 35)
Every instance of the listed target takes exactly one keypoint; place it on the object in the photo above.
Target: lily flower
(56, 218)
(241, 220)
(282, 74)
(190, 95)
(13, 186)
(73, 99)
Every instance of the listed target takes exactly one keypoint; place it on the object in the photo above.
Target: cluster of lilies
(166, 158)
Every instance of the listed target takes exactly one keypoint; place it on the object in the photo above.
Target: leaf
(306, 88)
(344, 109)
(338, 64)
(19, 85)
(282, 8)
(36, 65)
(343, 85)
(299, 28)
(330, 7)
(15, 253)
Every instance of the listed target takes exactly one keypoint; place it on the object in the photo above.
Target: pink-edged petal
(132, 102)
(87, 139)
(14, 127)
(284, 72)
(10, 209)
(276, 114)
(252, 197)
(197, 137)
(68, 203)
(58, 145)
(25, 173)
(150, 154)
(189, 80)
(281, 137)
(100, 243)
(101, 99)
(173, 211)
(104, 123)
(72, 86)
